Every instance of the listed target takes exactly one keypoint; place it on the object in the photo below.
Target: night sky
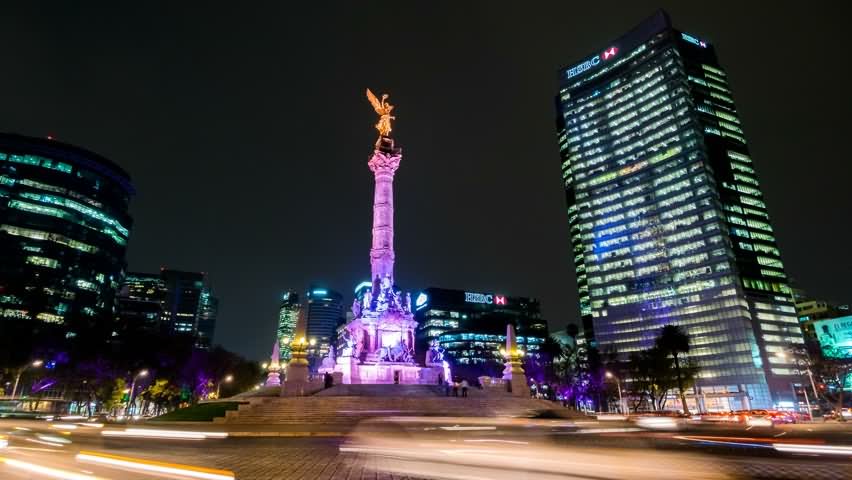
(247, 134)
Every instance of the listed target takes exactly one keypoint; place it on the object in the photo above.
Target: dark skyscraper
(141, 303)
(324, 314)
(208, 312)
(668, 222)
(184, 299)
(188, 303)
(64, 227)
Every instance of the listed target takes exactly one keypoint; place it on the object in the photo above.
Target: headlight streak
(72, 417)
(601, 430)
(46, 471)
(63, 426)
(812, 449)
(723, 442)
(494, 440)
(91, 425)
(43, 442)
(153, 466)
(166, 434)
(457, 428)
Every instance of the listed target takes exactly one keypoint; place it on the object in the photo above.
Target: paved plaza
(269, 458)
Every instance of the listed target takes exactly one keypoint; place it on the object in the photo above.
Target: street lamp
(142, 373)
(227, 379)
(783, 356)
(34, 364)
(618, 385)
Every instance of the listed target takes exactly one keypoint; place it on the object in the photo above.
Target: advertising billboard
(835, 337)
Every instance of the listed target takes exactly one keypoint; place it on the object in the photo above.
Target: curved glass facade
(64, 227)
(667, 219)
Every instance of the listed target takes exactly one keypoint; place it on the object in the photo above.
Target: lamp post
(618, 385)
(783, 356)
(34, 364)
(813, 385)
(142, 373)
(227, 379)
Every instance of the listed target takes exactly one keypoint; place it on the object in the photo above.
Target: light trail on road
(138, 464)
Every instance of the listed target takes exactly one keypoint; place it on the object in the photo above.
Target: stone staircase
(335, 407)
(387, 390)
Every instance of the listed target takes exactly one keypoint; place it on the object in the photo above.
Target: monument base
(388, 373)
(273, 379)
(515, 379)
(297, 382)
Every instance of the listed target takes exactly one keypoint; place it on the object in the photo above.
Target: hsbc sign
(592, 62)
(486, 298)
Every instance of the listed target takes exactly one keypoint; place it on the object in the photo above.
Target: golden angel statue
(384, 109)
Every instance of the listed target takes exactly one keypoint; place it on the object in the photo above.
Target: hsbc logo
(592, 62)
(487, 298)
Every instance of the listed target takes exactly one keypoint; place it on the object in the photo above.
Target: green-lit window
(50, 317)
(24, 159)
(86, 285)
(42, 261)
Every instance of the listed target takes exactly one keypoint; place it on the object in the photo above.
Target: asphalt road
(445, 448)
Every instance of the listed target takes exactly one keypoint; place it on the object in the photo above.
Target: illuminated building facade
(324, 313)
(288, 314)
(668, 222)
(64, 226)
(811, 311)
(471, 326)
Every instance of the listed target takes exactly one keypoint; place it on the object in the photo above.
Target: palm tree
(674, 341)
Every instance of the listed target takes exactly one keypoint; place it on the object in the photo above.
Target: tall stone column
(383, 163)
(513, 373)
(297, 368)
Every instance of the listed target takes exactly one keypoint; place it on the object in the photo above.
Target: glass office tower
(668, 222)
(324, 313)
(64, 227)
(288, 315)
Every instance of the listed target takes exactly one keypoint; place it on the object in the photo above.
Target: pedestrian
(447, 387)
(464, 386)
(328, 380)
(455, 387)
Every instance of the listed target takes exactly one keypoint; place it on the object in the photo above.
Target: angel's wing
(377, 105)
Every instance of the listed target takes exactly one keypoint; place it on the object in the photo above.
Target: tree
(652, 375)
(674, 341)
(162, 394)
(112, 394)
(837, 371)
(541, 365)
